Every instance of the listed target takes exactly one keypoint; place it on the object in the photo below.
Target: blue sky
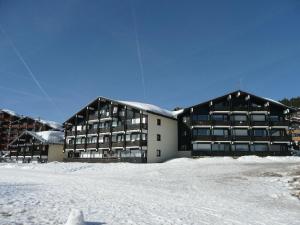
(56, 56)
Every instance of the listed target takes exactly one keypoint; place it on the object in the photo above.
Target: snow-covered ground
(248, 190)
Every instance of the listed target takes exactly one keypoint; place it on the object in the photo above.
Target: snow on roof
(53, 124)
(10, 112)
(55, 137)
(274, 101)
(150, 108)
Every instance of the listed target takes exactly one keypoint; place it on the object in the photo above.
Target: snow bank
(75, 218)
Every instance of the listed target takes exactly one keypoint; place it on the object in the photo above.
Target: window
(220, 132)
(260, 132)
(259, 147)
(95, 126)
(241, 147)
(196, 117)
(158, 137)
(240, 132)
(277, 132)
(278, 147)
(115, 109)
(120, 138)
(219, 117)
(114, 138)
(185, 119)
(258, 117)
(158, 122)
(274, 118)
(221, 147)
(201, 132)
(239, 118)
(144, 137)
(158, 153)
(201, 147)
(127, 137)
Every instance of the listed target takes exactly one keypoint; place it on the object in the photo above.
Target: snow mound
(75, 218)
(10, 112)
(52, 124)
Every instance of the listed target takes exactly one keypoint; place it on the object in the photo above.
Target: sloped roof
(246, 93)
(52, 124)
(137, 105)
(47, 137)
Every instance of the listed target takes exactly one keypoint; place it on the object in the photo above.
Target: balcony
(91, 145)
(220, 108)
(104, 145)
(259, 123)
(221, 138)
(118, 144)
(280, 123)
(240, 108)
(81, 132)
(260, 138)
(105, 130)
(93, 117)
(239, 123)
(258, 109)
(118, 128)
(220, 123)
(202, 138)
(133, 126)
(281, 138)
(241, 138)
(92, 131)
(136, 143)
(69, 146)
(201, 123)
(80, 146)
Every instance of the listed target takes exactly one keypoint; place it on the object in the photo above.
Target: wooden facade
(106, 131)
(235, 124)
(12, 125)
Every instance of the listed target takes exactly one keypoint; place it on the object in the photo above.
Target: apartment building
(238, 123)
(108, 130)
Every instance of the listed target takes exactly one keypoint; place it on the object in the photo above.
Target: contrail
(17, 52)
(138, 49)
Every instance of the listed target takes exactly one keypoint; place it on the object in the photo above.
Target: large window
(201, 132)
(240, 132)
(201, 147)
(219, 117)
(220, 147)
(259, 147)
(220, 132)
(241, 147)
(258, 117)
(238, 118)
(260, 132)
(278, 147)
(196, 117)
(277, 132)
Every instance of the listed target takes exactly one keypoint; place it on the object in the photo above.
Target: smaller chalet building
(13, 124)
(108, 130)
(44, 146)
(238, 123)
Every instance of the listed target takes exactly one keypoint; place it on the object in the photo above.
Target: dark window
(220, 132)
(259, 147)
(158, 122)
(239, 118)
(220, 117)
(260, 132)
(196, 117)
(201, 132)
(221, 147)
(258, 118)
(241, 147)
(158, 138)
(240, 132)
(158, 153)
(201, 147)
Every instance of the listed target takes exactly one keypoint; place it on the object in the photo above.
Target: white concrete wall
(169, 139)
(55, 152)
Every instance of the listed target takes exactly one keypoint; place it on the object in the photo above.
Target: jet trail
(33, 77)
(138, 49)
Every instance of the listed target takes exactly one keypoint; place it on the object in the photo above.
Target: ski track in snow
(183, 191)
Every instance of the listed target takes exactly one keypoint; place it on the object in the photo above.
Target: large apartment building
(13, 124)
(107, 130)
(238, 123)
